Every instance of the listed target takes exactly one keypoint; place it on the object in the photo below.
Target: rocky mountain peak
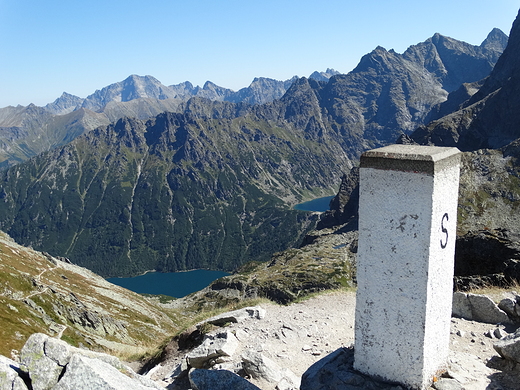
(496, 40)
(324, 76)
(490, 117)
(64, 104)
(133, 87)
(379, 60)
(454, 62)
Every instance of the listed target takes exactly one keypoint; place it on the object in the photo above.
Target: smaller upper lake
(319, 204)
(174, 284)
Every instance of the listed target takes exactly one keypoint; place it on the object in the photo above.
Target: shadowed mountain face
(490, 117)
(180, 191)
(484, 121)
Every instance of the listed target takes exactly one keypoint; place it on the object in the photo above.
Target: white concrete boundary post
(405, 262)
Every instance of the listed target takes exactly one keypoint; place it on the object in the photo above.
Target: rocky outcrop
(509, 347)
(47, 363)
(325, 260)
(344, 206)
(487, 257)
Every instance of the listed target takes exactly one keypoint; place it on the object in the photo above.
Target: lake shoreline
(174, 284)
(318, 205)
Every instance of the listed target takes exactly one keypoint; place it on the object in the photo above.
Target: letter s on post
(444, 230)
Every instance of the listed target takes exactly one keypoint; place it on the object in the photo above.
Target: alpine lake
(180, 284)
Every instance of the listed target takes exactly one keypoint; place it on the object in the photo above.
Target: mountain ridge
(138, 194)
(488, 118)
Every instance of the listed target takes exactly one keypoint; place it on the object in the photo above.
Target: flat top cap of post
(411, 158)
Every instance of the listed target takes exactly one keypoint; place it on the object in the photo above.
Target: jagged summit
(496, 40)
(64, 104)
(490, 117)
(324, 76)
(133, 87)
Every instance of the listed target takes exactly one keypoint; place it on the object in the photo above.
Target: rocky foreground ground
(273, 347)
(293, 338)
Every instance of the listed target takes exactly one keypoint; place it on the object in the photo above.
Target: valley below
(139, 177)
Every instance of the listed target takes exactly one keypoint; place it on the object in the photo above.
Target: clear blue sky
(78, 46)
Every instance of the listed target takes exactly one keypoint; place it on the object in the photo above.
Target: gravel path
(298, 335)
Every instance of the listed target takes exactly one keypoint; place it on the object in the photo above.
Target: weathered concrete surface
(407, 225)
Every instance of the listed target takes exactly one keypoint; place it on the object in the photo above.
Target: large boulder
(475, 307)
(511, 306)
(509, 347)
(84, 373)
(48, 361)
(218, 380)
(10, 375)
(260, 367)
(43, 359)
(488, 253)
(222, 345)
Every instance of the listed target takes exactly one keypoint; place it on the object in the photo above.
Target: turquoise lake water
(319, 204)
(174, 284)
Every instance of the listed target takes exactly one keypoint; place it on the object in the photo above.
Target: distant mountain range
(210, 183)
(28, 131)
(261, 90)
(432, 69)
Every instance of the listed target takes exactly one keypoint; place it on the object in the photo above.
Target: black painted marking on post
(444, 230)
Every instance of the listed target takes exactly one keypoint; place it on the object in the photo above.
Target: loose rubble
(305, 346)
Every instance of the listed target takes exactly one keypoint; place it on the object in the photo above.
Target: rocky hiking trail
(292, 338)
(304, 345)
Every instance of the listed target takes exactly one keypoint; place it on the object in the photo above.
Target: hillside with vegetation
(212, 184)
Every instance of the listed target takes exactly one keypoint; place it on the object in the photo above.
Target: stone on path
(240, 315)
(447, 384)
(509, 347)
(261, 367)
(476, 307)
(213, 347)
(218, 380)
